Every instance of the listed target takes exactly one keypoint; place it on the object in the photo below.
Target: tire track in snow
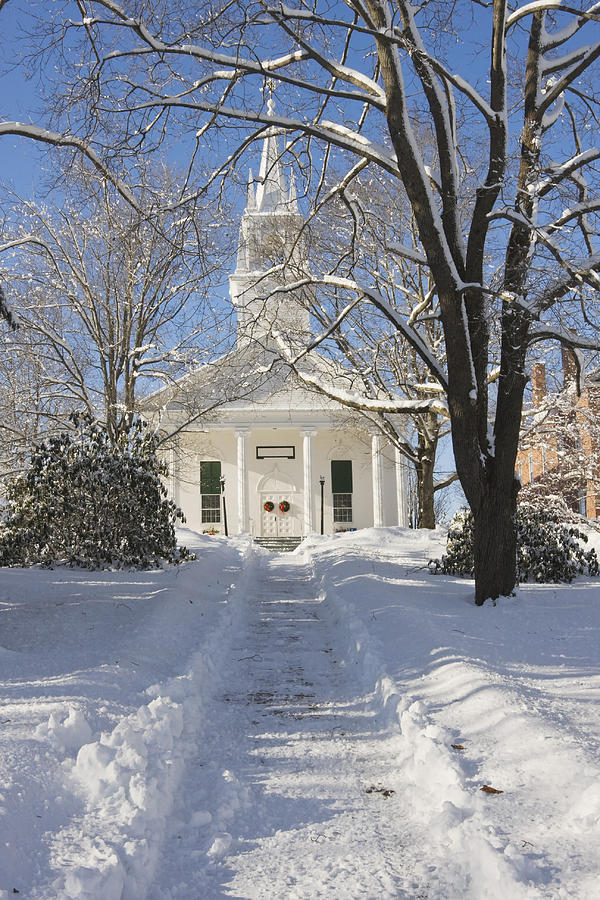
(276, 804)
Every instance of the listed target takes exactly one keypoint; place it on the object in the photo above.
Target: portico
(364, 484)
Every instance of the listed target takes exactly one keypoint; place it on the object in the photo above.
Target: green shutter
(341, 476)
(210, 477)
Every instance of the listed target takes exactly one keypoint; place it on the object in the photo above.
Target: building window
(341, 489)
(342, 507)
(210, 490)
(530, 464)
(211, 508)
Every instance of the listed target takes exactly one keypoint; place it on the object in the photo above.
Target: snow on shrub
(85, 502)
(548, 545)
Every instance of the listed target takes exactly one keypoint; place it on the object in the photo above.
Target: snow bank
(477, 859)
(469, 852)
(128, 777)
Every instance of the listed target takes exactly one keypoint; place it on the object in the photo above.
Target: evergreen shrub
(549, 548)
(84, 502)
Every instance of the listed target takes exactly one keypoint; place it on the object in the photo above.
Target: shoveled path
(294, 792)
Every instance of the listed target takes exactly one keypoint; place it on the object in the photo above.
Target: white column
(242, 480)
(173, 462)
(377, 469)
(401, 490)
(307, 437)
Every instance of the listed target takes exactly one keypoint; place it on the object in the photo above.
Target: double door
(277, 523)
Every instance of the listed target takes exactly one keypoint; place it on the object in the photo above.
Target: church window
(210, 490)
(341, 488)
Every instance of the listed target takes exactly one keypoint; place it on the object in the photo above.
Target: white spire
(271, 192)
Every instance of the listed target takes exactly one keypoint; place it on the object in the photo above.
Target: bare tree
(360, 83)
(27, 406)
(111, 300)
(66, 140)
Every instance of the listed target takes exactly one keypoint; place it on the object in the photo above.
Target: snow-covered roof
(248, 385)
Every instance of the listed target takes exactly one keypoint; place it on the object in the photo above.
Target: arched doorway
(277, 489)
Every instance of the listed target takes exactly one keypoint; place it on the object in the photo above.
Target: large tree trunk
(491, 489)
(495, 536)
(495, 543)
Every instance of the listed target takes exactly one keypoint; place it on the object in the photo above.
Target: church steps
(278, 544)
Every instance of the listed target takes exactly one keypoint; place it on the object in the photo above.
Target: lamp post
(322, 483)
(224, 505)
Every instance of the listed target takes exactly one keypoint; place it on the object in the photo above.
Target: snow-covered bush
(458, 559)
(549, 546)
(85, 502)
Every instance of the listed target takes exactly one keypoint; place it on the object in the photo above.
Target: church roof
(250, 383)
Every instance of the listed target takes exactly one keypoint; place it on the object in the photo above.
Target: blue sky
(20, 159)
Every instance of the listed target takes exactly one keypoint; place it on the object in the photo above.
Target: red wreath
(269, 506)
(284, 506)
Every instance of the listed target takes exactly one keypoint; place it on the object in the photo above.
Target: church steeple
(271, 250)
(272, 193)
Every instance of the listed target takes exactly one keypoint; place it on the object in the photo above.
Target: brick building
(560, 440)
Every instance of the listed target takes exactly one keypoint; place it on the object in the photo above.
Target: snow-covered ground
(313, 725)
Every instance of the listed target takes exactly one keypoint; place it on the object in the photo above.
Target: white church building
(251, 440)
